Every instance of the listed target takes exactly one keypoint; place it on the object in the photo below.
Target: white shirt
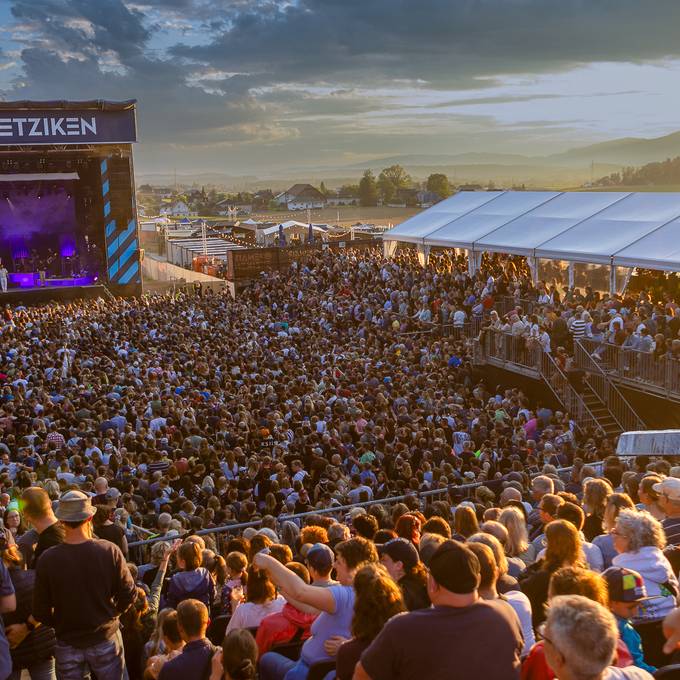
(522, 606)
(250, 614)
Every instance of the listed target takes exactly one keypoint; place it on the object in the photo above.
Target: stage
(67, 199)
(41, 296)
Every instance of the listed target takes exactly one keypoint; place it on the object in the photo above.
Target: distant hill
(622, 152)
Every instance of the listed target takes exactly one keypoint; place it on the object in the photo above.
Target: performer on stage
(42, 271)
(3, 277)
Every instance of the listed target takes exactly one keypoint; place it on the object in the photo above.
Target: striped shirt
(671, 527)
(578, 328)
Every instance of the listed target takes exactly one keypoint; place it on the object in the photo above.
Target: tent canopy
(628, 229)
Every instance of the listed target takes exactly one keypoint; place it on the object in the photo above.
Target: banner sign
(63, 126)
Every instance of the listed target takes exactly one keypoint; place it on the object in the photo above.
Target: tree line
(663, 172)
(392, 180)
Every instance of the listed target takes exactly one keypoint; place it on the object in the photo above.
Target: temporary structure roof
(628, 229)
(525, 233)
(417, 227)
(465, 230)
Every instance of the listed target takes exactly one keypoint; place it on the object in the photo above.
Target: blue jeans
(275, 666)
(106, 660)
(43, 670)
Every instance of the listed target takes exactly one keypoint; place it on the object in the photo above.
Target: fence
(605, 390)
(461, 493)
(641, 370)
(511, 351)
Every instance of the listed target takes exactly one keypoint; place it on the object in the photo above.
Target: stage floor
(42, 295)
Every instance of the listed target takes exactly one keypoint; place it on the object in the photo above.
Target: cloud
(318, 76)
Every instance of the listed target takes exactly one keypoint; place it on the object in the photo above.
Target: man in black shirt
(82, 586)
(46, 530)
(460, 637)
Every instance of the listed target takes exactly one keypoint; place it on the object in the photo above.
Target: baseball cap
(669, 487)
(624, 585)
(455, 567)
(400, 550)
(320, 557)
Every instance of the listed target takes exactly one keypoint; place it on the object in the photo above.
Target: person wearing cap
(627, 591)
(82, 586)
(403, 564)
(669, 500)
(461, 636)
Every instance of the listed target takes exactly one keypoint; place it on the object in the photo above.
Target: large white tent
(636, 229)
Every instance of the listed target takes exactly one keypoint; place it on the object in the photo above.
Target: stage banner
(62, 126)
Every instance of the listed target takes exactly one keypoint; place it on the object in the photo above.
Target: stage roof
(41, 177)
(93, 104)
(628, 229)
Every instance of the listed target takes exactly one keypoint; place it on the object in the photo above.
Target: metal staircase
(589, 396)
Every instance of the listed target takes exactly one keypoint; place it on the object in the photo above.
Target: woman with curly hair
(563, 549)
(378, 599)
(639, 540)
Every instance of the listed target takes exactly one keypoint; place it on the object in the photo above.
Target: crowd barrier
(461, 492)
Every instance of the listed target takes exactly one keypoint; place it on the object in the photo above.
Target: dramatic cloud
(277, 82)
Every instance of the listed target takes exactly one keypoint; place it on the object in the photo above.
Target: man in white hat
(669, 500)
(82, 586)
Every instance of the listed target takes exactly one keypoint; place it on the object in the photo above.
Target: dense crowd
(465, 552)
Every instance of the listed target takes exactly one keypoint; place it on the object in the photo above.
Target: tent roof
(635, 229)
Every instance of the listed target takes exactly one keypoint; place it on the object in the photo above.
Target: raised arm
(319, 598)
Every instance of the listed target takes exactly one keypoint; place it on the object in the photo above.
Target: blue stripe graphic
(113, 269)
(112, 248)
(127, 253)
(110, 228)
(107, 209)
(105, 188)
(104, 166)
(134, 268)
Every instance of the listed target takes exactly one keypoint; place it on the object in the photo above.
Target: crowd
(465, 553)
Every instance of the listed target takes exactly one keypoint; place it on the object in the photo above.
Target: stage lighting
(68, 195)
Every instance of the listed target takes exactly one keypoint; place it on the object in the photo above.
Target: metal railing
(605, 390)
(641, 370)
(462, 492)
(511, 351)
(559, 384)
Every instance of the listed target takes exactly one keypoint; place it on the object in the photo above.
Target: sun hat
(669, 487)
(74, 506)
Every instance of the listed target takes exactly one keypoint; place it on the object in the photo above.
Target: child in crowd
(193, 581)
(626, 591)
(237, 577)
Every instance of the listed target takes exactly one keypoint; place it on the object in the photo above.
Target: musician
(4, 274)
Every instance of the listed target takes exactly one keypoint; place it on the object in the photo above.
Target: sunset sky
(252, 86)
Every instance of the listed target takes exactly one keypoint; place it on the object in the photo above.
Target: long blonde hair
(518, 537)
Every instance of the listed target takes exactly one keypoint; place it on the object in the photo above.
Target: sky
(257, 86)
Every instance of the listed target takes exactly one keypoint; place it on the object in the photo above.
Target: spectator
(290, 624)
(449, 639)
(80, 602)
(336, 604)
(563, 549)
(595, 495)
(237, 659)
(605, 542)
(669, 500)
(172, 643)
(403, 564)
(580, 641)
(261, 600)
(193, 581)
(195, 659)
(627, 592)
(649, 498)
(517, 600)
(639, 540)
(48, 531)
(377, 600)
